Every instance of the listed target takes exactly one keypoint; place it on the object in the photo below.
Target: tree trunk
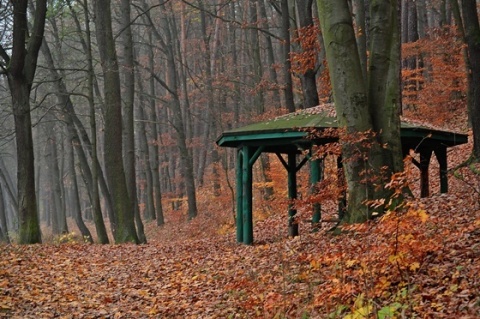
(75, 199)
(59, 220)
(186, 163)
(309, 81)
(21, 71)
(128, 97)
(287, 65)
(364, 110)
(70, 118)
(270, 57)
(8, 184)
(358, 10)
(124, 217)
(3, 219)
(472, 37)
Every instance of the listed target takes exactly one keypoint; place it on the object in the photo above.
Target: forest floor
(423, 262)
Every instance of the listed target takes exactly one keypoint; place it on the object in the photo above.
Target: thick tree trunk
(124, 216)
(472, 37)
(384, 91)
(351, 100)
(29, 226)
(359, 12)
(365, 111)
(21, 71)
(128, 97)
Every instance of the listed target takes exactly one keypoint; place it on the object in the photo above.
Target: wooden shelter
(289, 135)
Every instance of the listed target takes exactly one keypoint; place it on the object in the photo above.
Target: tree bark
(3, 219)
(20, 73)
(75, 199)
(472, 39)
(186, 163)
(309, 81)
(124, 217)
(287, 65)
(72, 122)
(128, 71)
(59, 219)
(367, 111)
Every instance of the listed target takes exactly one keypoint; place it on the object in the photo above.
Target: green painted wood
(441, 154)
(247, 196)
(289, 135)
(315, 177)
(293, 128)
(239, 195)
(255, 155)
(292, 184)
(342, 202)
(425, 155)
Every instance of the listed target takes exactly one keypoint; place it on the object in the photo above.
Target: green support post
(239, 197)
(315, 177)
(247, 196)
(342, 203)
(441, 155)
(292, 192)
(425, 155)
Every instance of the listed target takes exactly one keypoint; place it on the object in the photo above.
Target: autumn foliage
(418, 262)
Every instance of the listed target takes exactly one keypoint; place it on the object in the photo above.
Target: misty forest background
(190, 70)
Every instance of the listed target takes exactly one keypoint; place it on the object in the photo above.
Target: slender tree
(128, 71)
(287, 65)
(308, 76)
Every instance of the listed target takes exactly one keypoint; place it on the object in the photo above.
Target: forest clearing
(422, 263)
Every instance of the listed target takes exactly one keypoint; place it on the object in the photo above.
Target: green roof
(284, 132)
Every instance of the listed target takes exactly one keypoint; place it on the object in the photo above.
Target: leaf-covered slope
(423, 263)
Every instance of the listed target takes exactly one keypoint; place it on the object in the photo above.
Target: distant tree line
(109, 108)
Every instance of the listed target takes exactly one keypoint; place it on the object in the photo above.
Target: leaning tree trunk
(70, 119)
(20, 72)
(125, 225)
(75, 198)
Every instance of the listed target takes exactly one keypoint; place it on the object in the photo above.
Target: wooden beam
(247, 196)
(425, 155)
(316, 175)
(441, 154)
(239, 195)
